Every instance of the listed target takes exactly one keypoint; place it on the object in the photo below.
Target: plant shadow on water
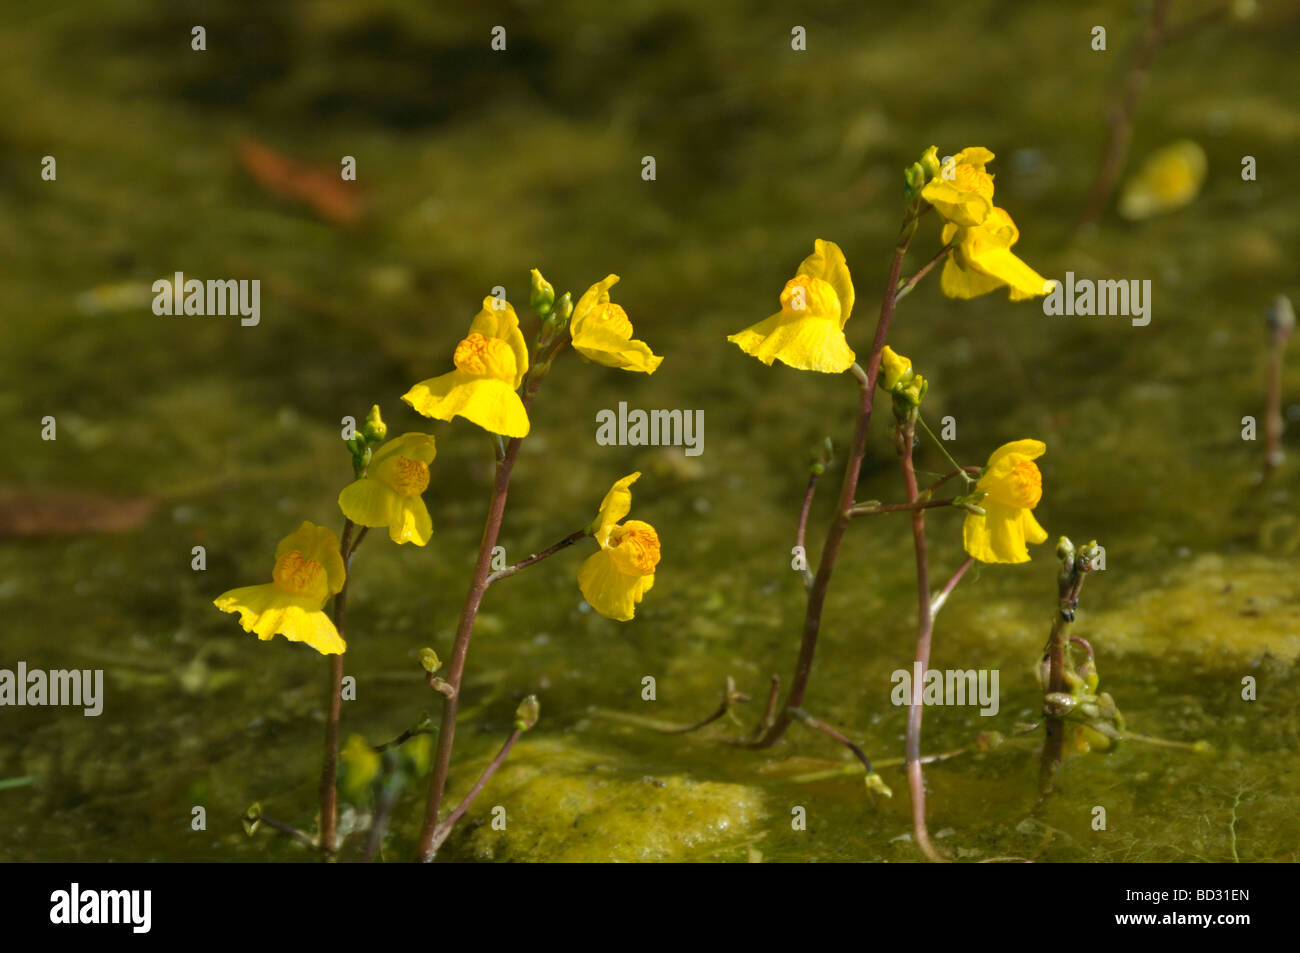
(475, 169)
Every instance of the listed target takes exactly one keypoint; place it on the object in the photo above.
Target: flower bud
(895, 369)
(930, 162)
(564, 307)
(542, 295)
(429, 660)
(374, 430)
(527, 713)
(252, 818)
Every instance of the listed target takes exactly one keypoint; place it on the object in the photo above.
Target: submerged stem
(924, 631)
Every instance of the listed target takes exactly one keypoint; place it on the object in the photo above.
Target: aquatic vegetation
(495, 381)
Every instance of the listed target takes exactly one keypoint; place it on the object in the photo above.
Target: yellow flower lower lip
(410, 477)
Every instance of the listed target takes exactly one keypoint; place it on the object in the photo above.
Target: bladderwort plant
(808, 334)
(496, 378)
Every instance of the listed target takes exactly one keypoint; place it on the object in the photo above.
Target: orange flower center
(1025, 484)
(485, 357)
(811, 297)
(409, 477)
(635, 548)
(299, 575)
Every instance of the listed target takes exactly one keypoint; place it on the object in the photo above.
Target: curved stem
(444, 829)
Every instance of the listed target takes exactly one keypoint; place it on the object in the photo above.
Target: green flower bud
(374, 430)
(913, 180)
(429, 660)
(542, 295)
(564, 307)
(930, 162)
(526, 715)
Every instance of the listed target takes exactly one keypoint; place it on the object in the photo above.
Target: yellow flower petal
(807, 344)
(490, 403)
(982, 261)
(413, 446)
(827, 263)
(503, 324)
(612, 593)
(962, 192)
(808, 332)
(602, 332)
(1012, 485)
(411, 522)
(616, 505)
(319, 544)
(367, 502)
(1169, 179)
(267, 611)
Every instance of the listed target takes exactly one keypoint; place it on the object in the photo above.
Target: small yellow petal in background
(1168, 180)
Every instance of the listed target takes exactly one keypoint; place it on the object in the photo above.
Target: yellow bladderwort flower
(308, 570)
(389, 493)
(808, 332)
(490, 365)
(616, 578)
(1013, 486)
(982, 261)
(962, 192)
(602, 332)
(1169, 179)
(894, 368)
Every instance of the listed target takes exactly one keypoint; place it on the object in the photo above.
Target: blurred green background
(475, 166)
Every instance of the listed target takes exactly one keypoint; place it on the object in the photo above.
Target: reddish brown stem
(444, 829)
(334, 709)
(537, 557)
(465, 627)
(840, 523)
(924, 631)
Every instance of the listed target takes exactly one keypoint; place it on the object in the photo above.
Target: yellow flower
(616, 578)
(894, 368)
(982, 261)
(1013, 486)
(490, 365)
(389, 493)
(602, 332)
(962, 192)
(308, 570)
(1169, 179)
(808, 332)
